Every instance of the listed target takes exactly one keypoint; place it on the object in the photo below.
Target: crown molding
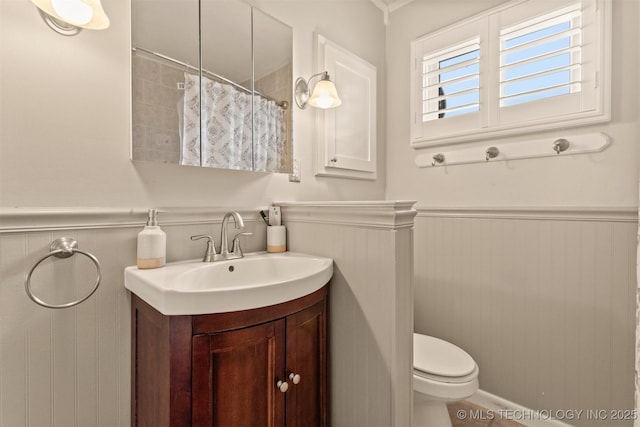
(384, 8)
(397, 4)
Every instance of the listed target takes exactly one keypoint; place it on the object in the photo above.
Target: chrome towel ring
(63, 247)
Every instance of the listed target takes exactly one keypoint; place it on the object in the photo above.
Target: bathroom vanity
(265, 366)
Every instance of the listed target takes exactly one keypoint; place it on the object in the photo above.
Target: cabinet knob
(295, 378)
(283, 386)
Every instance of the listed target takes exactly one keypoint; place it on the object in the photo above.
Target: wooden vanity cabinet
(260, 367)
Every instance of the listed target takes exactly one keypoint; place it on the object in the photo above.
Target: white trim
(329, 134)
(589, 213)
(530, 149)
(388, 8)
(370, 214)
(591, 107)
(474, 135)
(364, 214)
(397, 4)
(18, 220)
(513, 411)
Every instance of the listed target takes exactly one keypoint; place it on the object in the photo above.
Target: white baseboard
(518, 413)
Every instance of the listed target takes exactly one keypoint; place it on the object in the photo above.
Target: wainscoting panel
(71, 367)
(67, 367)
(543, 301)
(371, 319)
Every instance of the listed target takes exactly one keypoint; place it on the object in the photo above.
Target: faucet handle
(211, 248)
(235, 248)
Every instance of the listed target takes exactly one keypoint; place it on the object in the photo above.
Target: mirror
(211, 85)
(273, 80)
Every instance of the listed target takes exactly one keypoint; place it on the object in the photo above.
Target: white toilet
(442, 373)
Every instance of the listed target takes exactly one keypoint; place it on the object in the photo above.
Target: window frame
(591, 105)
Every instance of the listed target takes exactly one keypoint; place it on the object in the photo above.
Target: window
(451, 81)
(541, 57)
(518, 68)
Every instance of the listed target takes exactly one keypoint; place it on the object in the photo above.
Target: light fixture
(324, 93)
(68, 17)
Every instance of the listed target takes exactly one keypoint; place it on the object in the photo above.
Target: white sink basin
(257, 280)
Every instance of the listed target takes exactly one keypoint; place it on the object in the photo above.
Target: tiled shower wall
(543, 300)
(277, 85)
(155, 109)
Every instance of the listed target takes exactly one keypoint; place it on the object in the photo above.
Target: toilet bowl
(442, 373)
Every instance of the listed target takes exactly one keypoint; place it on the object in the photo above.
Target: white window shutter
(522, 67)
(542, 57)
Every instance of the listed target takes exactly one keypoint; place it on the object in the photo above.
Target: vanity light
(68, 17)
(324, 93)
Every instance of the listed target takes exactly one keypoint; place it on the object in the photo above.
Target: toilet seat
(442, 373)
(451, 380)
(439, 360)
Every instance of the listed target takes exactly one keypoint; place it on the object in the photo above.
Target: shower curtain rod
(282, 104)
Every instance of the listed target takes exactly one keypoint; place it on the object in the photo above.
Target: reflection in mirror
(226, 134)
(235, 126)
(273, 47)
(169, 28)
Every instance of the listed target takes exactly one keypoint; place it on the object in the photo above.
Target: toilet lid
(438, 357)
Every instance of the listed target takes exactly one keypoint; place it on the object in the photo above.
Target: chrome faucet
(210, 254)
(236, 252)
(224, 245)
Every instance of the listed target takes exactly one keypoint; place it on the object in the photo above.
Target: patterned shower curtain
(228, 140)
(269, 132)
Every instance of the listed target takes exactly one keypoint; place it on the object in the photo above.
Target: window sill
(482, 134)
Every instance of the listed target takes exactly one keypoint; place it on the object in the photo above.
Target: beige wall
(64, 142)
(544, 301)
(71, 367)
(370, 326)
(64, 133)
(545, 306)
(604, 179)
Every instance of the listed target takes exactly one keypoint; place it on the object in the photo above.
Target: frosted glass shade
(325, 95)
(87, 14)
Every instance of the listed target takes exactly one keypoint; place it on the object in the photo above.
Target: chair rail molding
(573, 213)
(385, 214)
(15, 220)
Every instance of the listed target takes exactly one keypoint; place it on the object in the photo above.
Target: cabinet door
(235, 375)
(307, 357)
(346, 136)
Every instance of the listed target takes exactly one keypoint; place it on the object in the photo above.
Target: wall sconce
(68, 17)
(324, 93)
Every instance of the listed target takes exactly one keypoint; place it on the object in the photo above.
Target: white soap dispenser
(152, 243)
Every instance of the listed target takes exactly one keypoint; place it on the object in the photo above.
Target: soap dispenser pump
(152, 243)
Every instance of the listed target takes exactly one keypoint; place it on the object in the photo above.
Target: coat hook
(437, 159)
(560, 145)
(491, 153)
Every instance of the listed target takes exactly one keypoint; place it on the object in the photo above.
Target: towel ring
(63, 247)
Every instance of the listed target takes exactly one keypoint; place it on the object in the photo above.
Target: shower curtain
(234, 135)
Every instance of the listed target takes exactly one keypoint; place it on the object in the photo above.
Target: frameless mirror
(273, 65)
(212, 85)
